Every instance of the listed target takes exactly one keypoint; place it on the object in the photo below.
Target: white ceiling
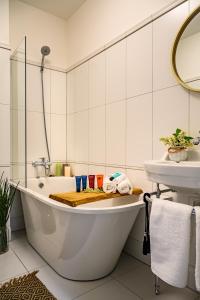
(60, 8)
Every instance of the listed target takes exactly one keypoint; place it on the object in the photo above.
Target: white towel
(197, 268)
(124, 187)
(170, 241)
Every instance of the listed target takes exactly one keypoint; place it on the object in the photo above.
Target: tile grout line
(19, 259)
(128, 289)
(85, 293)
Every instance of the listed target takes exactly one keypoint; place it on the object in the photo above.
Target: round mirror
(186, 53)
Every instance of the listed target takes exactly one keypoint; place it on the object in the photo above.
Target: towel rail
(147, 197)
(150, 200)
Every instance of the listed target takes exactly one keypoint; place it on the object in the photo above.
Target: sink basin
(184, 175)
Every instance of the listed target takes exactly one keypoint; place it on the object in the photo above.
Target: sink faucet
(44, 163)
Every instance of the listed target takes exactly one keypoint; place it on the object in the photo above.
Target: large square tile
(58, 92)
(36, 144)
(5, 76)
(17, 136)
(81, 136)
(97, 80)
(194, 110)
(125, 264)
(193, 4)
(5, 171)
(170, 111)
(11, 266)
(34, 89)
(138, 178)
(79, 169)
(5, 134)
(58, 137)
(115, 72)
(139, 130)
(81, 87)
(64, 289)
(71, 92)
(97, 133)
(139, 62)
(115, 133)
(17, 99)
(71, 137)
(111, 290)
(162, 44)
(30, 258)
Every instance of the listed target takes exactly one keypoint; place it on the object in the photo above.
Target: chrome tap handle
(42, 159)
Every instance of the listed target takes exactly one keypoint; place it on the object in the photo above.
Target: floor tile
(126, 264)
(10, 266)
(141, 282)
(31, 259)
(64, 289)
(171, 293)
(112, 290)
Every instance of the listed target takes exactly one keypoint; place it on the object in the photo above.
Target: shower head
(45, 50)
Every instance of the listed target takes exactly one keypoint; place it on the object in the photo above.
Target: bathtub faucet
(43, 163)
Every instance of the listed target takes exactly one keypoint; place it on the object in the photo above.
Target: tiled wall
(5, 111)
(55, 107)
(121, 101)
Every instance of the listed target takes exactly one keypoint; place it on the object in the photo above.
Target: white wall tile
(97, 134)
(34, 89)
(81, 136)
(193, 4)
(17, 85)
(194, 114)
(58, 137)
(6, 171)
(4, 21)
(115, 72)
(36, 145)
(139, 130)
(58, 92)
(164, 33)
(115, 133)
(170, 111)
(81, 87)
(97, 80)
(79, 169)
(111, 170)
(71, 137)
(5, 134)
(71, 92)
(139, 62)
(138, 179)
(95, 170)
(5, 76)
(18, 136)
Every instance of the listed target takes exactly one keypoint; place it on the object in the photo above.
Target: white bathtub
(79, 243)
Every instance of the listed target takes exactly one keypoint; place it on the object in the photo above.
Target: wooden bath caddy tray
(74, 199)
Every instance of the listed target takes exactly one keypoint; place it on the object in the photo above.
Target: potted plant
(178, 144)
(7, 193)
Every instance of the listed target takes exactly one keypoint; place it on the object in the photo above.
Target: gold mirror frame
(175, 46)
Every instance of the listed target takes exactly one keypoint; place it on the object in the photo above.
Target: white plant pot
(177, 155)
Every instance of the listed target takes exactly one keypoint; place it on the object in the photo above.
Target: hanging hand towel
(197, 268)
(170, 241)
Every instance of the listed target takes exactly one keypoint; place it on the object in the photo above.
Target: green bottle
(59, 169)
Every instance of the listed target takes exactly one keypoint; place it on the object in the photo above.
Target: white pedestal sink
(182, 176)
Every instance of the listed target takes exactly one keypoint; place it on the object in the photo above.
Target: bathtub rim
(78, 209)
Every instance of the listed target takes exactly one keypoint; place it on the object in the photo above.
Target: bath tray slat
(75, 199)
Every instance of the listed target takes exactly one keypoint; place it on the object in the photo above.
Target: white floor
(131, 280)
